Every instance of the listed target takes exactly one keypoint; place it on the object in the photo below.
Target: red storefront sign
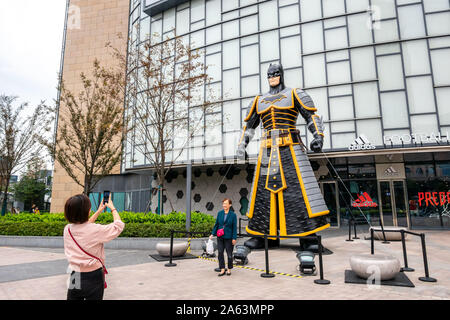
(364, 200)
(433, 198)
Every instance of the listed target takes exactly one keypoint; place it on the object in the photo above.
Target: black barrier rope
(427, 277)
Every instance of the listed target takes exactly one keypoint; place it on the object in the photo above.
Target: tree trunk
(5, 197)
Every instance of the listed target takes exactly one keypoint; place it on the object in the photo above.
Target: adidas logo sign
(364, 200)
(390, 172)
(361, 143)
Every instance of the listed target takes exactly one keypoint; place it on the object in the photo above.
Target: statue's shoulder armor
(252, 109)
(281, 100)
(304, 99)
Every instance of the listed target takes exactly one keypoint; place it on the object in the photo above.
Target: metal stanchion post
(405, 257)
(354, 228)
(372, 241)
(266, 248)
(384, 235)
(427, 277)
(171, 264)
(349, 230)
(321, 280)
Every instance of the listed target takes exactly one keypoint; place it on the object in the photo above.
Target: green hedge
(141, 225)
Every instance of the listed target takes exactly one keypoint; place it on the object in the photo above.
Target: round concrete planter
(179, 248)
(390, 236)
(384, 266)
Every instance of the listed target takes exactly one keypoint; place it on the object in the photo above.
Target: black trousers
(225, 244)
(86, 285)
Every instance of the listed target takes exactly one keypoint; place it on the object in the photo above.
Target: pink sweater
(90, 236)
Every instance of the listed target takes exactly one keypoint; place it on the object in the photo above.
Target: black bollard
(266, 248)
(321, 280)
(349, 230)
(372, 241)
(405, 257)
(427, 277)
(171, 264)
(384, 235)
(354, 227)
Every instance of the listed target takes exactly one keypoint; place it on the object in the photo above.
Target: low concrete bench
(179, 248)
(364, 265)
(390, 236)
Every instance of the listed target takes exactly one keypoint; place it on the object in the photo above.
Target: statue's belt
(281, 138)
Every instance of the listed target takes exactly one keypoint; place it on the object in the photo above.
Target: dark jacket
(230, 227)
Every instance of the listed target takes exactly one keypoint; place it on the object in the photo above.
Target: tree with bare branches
(168, 95)
(19, 138)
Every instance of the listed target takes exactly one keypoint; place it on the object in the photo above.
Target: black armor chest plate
(278, 111)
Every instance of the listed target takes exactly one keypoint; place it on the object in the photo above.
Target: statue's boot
(258, 243)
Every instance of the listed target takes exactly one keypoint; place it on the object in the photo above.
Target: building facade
(377, 70)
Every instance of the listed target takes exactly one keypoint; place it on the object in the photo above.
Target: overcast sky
(31, 35)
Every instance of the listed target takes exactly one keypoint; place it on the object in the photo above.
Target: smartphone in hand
(106, 195)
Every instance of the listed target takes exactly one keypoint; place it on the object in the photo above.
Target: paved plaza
(40, 274)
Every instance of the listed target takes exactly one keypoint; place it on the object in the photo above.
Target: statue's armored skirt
(285, 197)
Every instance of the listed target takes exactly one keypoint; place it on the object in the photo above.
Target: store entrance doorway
(393, 203)
(331, 196)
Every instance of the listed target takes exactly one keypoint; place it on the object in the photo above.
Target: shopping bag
(210, 247)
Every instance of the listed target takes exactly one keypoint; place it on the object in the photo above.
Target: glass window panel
(441, 66)
(395, 113)
(198, 39)
(229, 4)
(390, 73)
(372, 130)
(415, 55)
(333, 23)
(443, 98)
(169, 20)
(291, 52)
(231, 84)
(357, 5)
(289, 15)
(197, 10)
(363, 64)
(250, 9)
(231, 29)
(435, 5)
(425, 124)
(250, 86)
(249, 40)
(198, 25)
(267, 18)
(289, 31)
(440, 42)
(359, 33)
(343, 126)
(320, 98)
(420, 95)
(214, 48)
(250, 60)
(438, 23)
(339, 90)
(366, 100)
(183, 22)
(230, 15)
(312, 37)
(383, 8)
(386, 31)
(213, 11)
(269, 45)
(387, 48)
(249, 25)
(213, 130)
(231, 115)
(213, 152)
(411, 21)
(339, 72)
(293, 77)
(156, 31)
(333, 7)
(341, 108)
(263, 76)
(314, 69)
(230, 54)
(213, 34)
(286, 2)
(230, 142)
(311, 10)
(144, 29)
(336, 38)
(400, 2)
(337, 55)
(139, 158)
(213, 62)
(343, 140)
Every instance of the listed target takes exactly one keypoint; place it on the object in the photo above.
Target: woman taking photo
(83, 246)
(225, 229)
